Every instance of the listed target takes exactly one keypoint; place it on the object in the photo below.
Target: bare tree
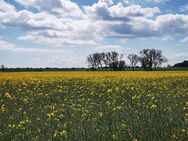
(105, 60)
(2, 68)
(96, 57)
(113, 60)
(134, 59)
(96, 60)
(102, 57)
(91, 62)
(158, 58)
(121, 65)
(151, 58)
(108, 59)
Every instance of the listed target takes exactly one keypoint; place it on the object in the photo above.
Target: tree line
(150, 59)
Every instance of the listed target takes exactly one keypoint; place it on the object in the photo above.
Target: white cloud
(184, 40)
(119, 11)
(7, 12)
(177, 57)
(67, 60)
(65, 8)
(65, 23)
(134, 21)
(167, 38)
(68, 27)
(140, 27)
(170, 23)
(184, 8)
(108, 2)
(60, 38)
(26, 2)
(158, 1)
(143, 1)
(5, 7)
(6, 46)
(109, 48)
(41, 57)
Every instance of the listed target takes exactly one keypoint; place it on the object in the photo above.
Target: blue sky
(61, 33)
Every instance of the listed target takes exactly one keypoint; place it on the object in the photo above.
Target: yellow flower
(50, 115)
(153, 106)
(183, 130)
(8, 95)
(63, 133)
(136, 97)
(117, 88)
(123, 125)
(114, 137)
(109, 90)
(2, 108)
(100, 114)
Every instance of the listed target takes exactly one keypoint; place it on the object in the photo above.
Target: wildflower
(153, 106)
(117, 88)
(136, 97)
(114, 136)
(50, 115)
(8, 95)
(65, 125)
(12, 126)
(108, 102)
(3, 108)
(123, 125)
(153, 98)
(63, 133)
(183, 130)
(109, 90)
(100, 114)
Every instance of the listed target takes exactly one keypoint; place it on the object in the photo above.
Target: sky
(62, 33)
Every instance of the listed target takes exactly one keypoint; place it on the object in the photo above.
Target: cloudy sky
(61, 33)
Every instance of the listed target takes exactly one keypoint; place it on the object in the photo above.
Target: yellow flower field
(94, 106)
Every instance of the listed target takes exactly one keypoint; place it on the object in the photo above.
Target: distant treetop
(183, 64)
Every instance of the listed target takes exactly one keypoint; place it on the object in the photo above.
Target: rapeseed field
(94, 106)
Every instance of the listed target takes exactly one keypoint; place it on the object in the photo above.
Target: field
(94, 106)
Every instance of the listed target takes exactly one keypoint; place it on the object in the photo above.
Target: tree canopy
(150, 59)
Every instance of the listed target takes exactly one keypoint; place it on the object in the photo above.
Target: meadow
(94, 106)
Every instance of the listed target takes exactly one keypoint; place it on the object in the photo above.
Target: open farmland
(94, 106)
